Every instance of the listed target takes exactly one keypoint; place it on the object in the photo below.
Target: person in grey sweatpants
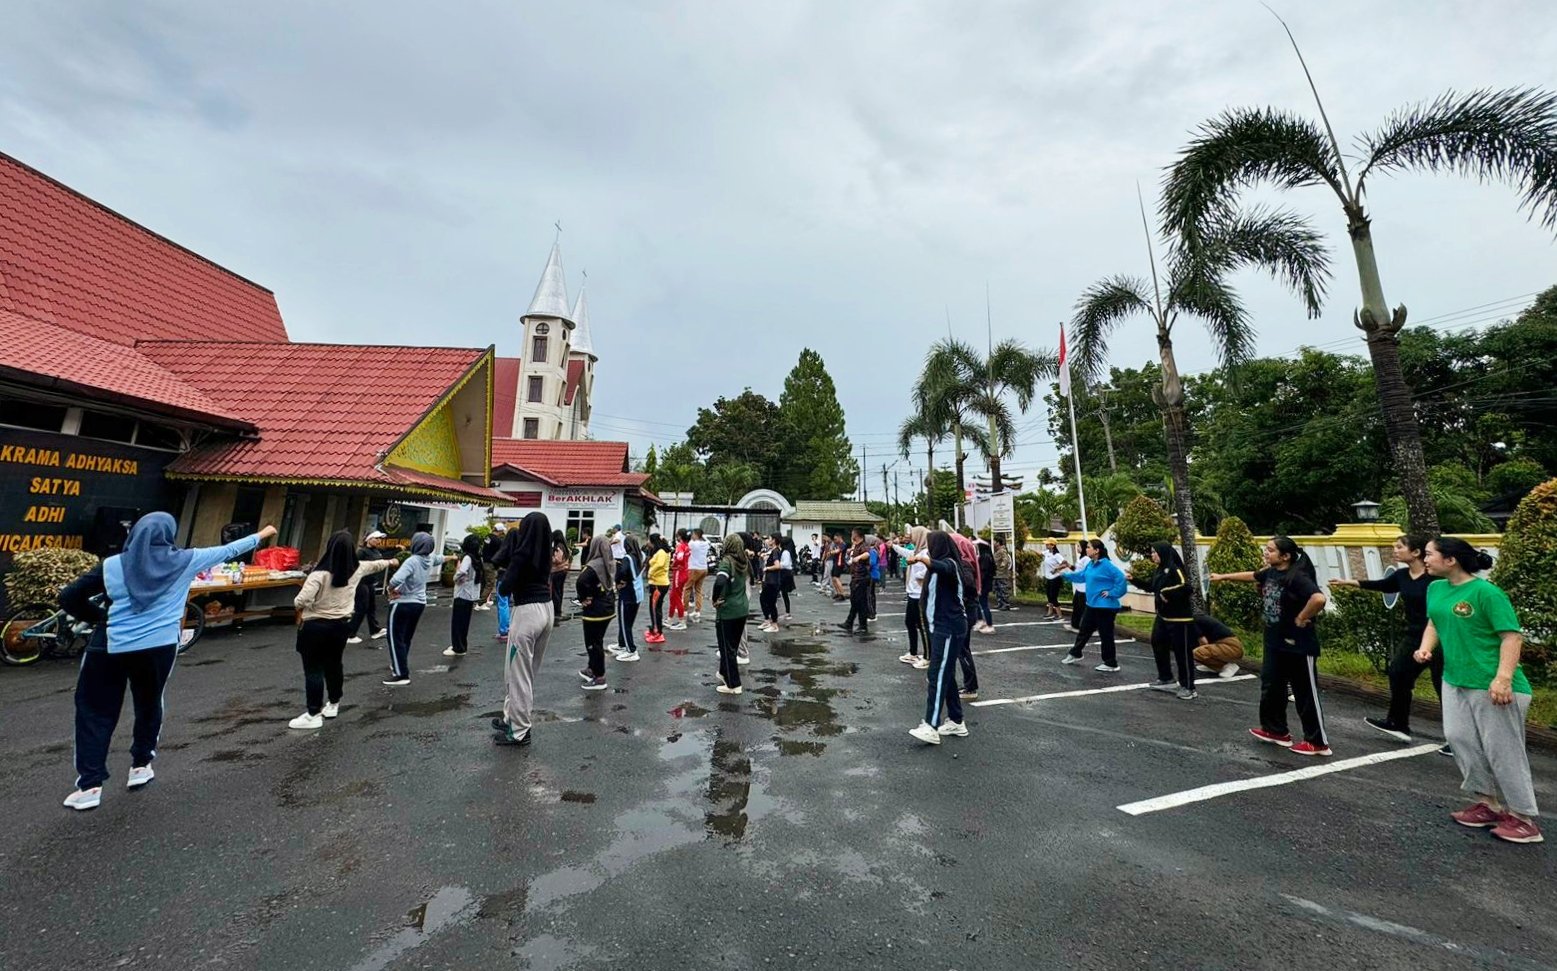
(526, 582)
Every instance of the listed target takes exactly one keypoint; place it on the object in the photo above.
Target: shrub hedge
(1235, 551)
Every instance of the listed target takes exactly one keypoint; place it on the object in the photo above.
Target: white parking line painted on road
(1029, 647)
(1099, 691)
(1266, 781)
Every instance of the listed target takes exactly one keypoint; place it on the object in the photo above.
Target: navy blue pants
(403, 616)
(942, 678)
(970, 674)
(99, 698)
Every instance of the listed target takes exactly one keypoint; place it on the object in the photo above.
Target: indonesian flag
(1064, 366)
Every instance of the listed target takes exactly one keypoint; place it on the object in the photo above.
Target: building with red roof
(582, 487)
(136, 374)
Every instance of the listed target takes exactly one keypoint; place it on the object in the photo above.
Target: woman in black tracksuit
(1174, 634)
(597, 608)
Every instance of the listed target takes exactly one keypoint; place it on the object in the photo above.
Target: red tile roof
(567, 463)
(505, 395)
(575, 377)
(415, 479)
(74, 263)
(325, 412)
(43, 355)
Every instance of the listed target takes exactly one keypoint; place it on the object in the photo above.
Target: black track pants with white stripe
(1280, 671)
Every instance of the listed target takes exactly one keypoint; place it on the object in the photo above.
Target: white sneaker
(725, 689)
(1205, 670)
(907, 658)
(953, 728)
(354, 640)
(331, 709)
(676, 625)
(382, 632)
(305, 720)
(628, 656)
(1228, 670)
(450, 652)
(921, 664)
(742, 659)
(926, 734)
(1107, 668)
(139, 776)
(84, 798)
(1070, 659)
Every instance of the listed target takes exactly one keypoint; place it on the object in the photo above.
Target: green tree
(818, 451)
(945, 394)
(747, 429)
(1515, 477)
(1277, 242)
(1143, 523)
(1527, 563)
(1117, 422)
(1457, 501)
(989, 383)
(943, 496)
(649, 466)
(922, 425)
(1508, 135)
(679, 470)
(1234, 551)
(727, 481)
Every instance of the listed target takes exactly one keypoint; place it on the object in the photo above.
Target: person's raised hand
(267, 532)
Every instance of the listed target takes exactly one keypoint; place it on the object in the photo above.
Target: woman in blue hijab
(136, 602)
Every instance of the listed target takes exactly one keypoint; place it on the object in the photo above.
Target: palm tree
(1010, 369)
(920, 425)
(1278, 242)
(1508, 135)
(944, 395)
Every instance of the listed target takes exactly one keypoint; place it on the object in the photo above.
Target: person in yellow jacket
(658, 576)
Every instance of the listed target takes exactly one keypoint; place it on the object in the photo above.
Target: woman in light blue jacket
(1106, 585)
(136, 600)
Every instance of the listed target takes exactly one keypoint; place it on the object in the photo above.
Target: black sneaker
(1446, 750)
(499, 725)
(1390, 728)
(846, 628)
(507, 738)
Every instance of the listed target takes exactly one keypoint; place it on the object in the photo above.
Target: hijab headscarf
(150, 561)
(969, 554)
(340, 558)
(471, 547)
(918, 536)
(422, 544)
(735, 549)
(529, 545)
(599, 559)
(940, 545)
(1168, 556)
(633, 550)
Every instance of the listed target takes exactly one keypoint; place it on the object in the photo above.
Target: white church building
(544, 393)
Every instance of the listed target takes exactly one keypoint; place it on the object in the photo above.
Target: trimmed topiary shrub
(1141, 523)
(37, 576)
(1234, 551)
(1527, 563)
(1359, 623)
(1028, 563)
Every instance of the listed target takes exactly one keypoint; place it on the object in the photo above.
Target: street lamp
(1366, 511)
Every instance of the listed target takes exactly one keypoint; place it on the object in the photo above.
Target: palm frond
(1098, 311)
(1195, 288)
(1507, 136)
(918, 425)
(1278, 241)
(1237, 149)
(1012, 366)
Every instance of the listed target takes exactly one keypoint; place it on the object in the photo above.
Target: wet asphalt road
(662, 825)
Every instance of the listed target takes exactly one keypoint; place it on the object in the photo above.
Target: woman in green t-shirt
(730, 603)
(1485, 695)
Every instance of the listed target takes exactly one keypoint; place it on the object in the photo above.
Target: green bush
(1141, 523)
(1234, 551)
(1028, 563)
(37, 576)
(1516, 476)
(1527, 563)
(1359, 623)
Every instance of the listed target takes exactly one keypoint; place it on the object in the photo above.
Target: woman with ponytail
(1486, 696)
(1289, 590)
(1174, 633)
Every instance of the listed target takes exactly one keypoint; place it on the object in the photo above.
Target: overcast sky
(743, 179)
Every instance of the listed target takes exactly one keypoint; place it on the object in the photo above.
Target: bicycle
(39, 631)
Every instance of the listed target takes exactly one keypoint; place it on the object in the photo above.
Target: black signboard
(60, 490)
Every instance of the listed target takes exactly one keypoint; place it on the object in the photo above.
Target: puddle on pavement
(234, 755)
(202, 662)
(787, 746)
(688, 710)
(418, 709)
(449, 907)
(573, 795)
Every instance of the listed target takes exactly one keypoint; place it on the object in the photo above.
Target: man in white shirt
(815, 546)
(697, 572)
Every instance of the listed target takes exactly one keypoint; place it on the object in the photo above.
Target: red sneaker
(1515, 830)
(1308, 748)
(1285, 741)
(1478, 816)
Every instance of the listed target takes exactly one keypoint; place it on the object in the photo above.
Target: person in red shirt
(679, 558)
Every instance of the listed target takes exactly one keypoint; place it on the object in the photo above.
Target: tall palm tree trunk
(961, 487)
(1176, 429)
(929, 489)
(1381, 329)
(995, 482)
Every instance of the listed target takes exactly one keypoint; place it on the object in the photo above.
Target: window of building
(543, 328)
(532, 428)
(538, 349)
(112, 428)
(536, 387)
(158, 436)
(31, 414)
(581, 523)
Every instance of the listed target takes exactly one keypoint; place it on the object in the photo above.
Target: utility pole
(884, 492)
(897, 497)
(1108, 435)
(864, 472)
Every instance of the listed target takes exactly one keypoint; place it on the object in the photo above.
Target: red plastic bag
(278, 558)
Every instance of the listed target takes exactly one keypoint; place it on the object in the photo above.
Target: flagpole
(1070, 400)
